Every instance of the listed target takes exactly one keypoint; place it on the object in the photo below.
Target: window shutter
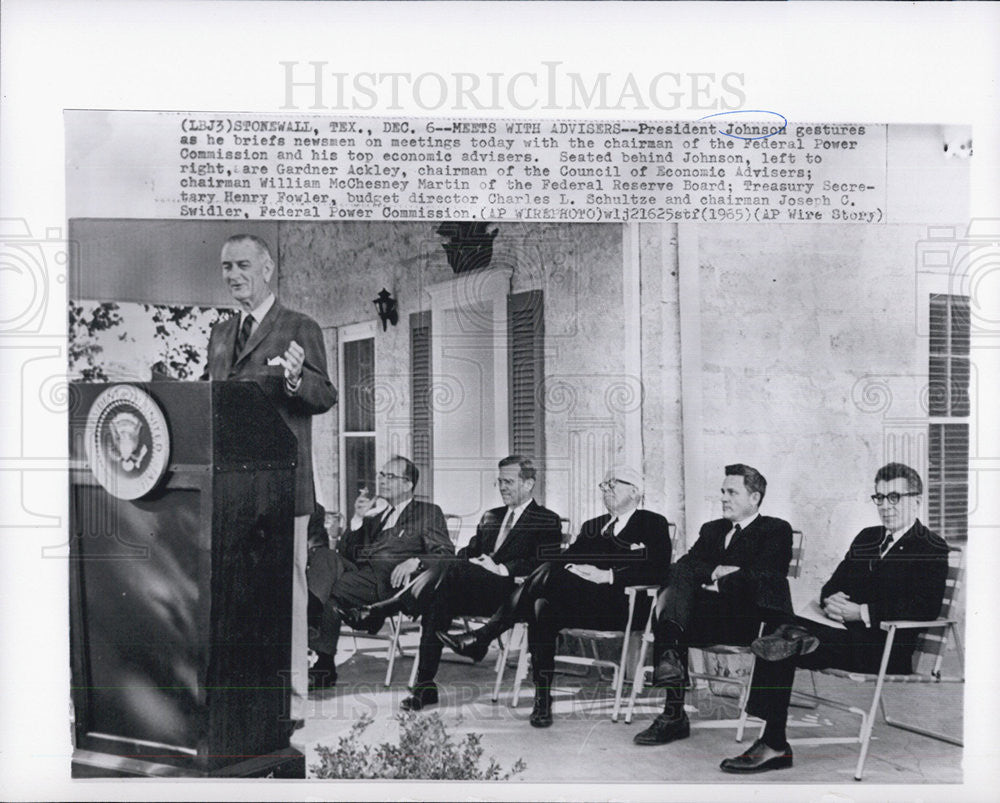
(421, 415)
(948, 480)
(948, 448)
(526, 330)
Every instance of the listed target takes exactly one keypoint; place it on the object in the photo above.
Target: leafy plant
(425, 751)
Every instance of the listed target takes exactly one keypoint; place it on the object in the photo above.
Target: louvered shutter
(421, 415)
(526, 331)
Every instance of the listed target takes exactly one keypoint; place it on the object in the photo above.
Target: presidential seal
(127, 441)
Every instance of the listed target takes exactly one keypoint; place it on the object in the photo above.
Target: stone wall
(799, 327)
(805, 330)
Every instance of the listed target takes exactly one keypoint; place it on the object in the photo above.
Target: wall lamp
(387, 308)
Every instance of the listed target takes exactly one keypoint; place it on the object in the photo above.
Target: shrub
(425, 751)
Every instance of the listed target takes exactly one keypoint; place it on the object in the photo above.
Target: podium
(181, 539)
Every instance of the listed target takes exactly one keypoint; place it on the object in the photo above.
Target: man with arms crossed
(733, 578)
(283, 352)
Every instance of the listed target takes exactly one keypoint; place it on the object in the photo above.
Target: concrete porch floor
(584, 745)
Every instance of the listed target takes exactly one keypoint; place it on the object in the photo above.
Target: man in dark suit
(896, 571)
(508, 543)
(583, 586)
(283, 352)
(734, 577)
(389, 539)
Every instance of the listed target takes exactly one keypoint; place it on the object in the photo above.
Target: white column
(689, 279)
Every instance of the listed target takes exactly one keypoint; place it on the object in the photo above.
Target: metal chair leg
(501, 667)
(394, 623)
(522, 666)
(640, 672)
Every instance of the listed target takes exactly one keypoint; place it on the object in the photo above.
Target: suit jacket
(762, 551)
(521, 552)
(908, 583)
(638, 555)
(315, 394)
(420, 531)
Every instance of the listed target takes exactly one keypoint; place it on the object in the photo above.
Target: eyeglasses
(892, 498)
(387, 476)
(610, 485)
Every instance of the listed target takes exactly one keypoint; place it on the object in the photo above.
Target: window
(948, 404)
(357, 412)
(526, 371)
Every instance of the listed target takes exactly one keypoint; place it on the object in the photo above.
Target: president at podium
(282, 350)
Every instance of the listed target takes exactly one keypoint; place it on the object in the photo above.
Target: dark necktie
(610, 529)
(385, 519)
(886, 544)
(736, 534)
(243, 336)
(508, 524)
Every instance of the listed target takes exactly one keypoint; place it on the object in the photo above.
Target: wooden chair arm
(909, 624)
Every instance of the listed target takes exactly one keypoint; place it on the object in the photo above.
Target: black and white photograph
(421, 481)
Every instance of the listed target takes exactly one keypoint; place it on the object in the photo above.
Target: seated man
(733, 578)
(383, 548)
(507, 544)
(896, 571)
(583, 586)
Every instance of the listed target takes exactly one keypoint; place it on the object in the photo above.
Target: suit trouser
(448, 589)
(299, 660)
(703, 617)
(771, 685)
(552, 599)
(334, 580)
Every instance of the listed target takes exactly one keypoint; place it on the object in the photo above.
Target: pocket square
(274, 361)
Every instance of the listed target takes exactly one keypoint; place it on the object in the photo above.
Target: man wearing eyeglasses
(584, 586)
(896, 571)
(734, 577)
(508, 543)
(385, 546)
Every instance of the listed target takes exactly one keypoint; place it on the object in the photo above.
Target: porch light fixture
(387, 309)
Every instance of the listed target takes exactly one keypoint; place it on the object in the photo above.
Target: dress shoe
(541, 712)
(323, 674)
(785, 642)
(421, 697)
(759, 758)
(669, 670)
(466, 645)
(367, 618)
(664, 730)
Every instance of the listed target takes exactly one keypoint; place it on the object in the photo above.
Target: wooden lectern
(181, 516)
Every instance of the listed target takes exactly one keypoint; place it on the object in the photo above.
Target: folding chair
(454, 522)
(930, 643)
(516, 638)
(619, 667)
(743, 683)
(398, 626)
